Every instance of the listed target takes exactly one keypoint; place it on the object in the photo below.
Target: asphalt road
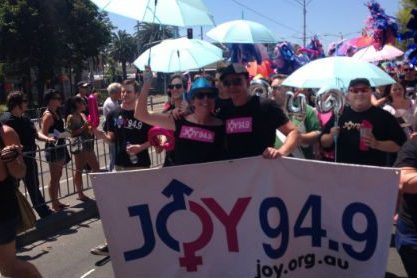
(67, 255)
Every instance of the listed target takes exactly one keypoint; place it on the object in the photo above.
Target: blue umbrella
(336, 72)
(241, 31)
(167, 12)
(181, 54)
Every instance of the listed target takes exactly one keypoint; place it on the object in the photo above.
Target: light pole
(304, 5)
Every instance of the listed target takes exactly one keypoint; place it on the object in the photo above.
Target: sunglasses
(358, 90)
(56, 98)
(176, 86)
(407, 70)
(202, 95)
(276, 87)
(234, 82)
(25, 101)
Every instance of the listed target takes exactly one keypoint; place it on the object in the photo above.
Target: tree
(123, 49)
(43, 37)
(404, 14)
(147, 34)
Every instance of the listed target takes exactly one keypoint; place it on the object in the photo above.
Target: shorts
(56, 153)
(8, 230)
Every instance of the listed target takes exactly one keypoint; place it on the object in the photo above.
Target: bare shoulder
(10, 135)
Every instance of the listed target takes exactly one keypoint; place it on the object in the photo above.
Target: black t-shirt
(196, 143)
(384, 127)
(127, 129)
(407, 157)
(222, 104)
(25, 129)
(251, 128)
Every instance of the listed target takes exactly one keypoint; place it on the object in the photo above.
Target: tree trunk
(124, 70)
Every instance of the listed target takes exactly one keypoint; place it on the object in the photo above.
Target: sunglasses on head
(202, 95)
(234, 82)
(176, 86)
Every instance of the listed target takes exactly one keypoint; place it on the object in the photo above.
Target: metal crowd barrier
(67, 187)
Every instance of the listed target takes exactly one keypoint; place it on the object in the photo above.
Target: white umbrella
(241, 31)
(370, 54)
(336, 72)
(167, 12)
(181, 54)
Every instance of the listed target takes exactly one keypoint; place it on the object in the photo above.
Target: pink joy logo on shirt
(239, 125)
(197, 134)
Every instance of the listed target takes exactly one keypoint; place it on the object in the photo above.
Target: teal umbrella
(181, 54)
(241, 31)
(336, 72)
(166, 12)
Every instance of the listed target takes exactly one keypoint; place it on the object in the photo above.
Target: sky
(330, 19)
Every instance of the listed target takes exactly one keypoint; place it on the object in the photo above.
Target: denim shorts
(8, 230)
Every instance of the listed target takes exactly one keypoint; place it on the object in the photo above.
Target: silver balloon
(260, 87)
(295, 105)
(328, 99)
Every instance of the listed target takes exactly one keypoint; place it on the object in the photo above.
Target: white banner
(249, 218)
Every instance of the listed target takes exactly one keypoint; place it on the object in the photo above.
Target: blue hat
(201, 83)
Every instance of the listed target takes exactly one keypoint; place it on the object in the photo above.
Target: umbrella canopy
(167, 12)
(336, 72)
(181, 54)
(370, 54)
(241, 31)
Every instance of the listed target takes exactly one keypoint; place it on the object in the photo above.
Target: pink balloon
(153, 139)
(93, 116)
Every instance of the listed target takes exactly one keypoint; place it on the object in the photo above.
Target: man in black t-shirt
(365, 134)
(251, 121)
(406, 233)
(130, 137)
(18, 105)
(129, 134)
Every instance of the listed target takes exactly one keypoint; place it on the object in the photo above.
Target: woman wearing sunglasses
(56, 154)
(199, 136)
(176, 90)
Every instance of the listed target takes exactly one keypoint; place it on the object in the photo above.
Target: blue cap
(200, 84)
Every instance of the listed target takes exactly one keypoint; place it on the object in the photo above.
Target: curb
(57, 222)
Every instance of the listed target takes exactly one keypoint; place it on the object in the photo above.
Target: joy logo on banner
(308, 223)
(177, 190)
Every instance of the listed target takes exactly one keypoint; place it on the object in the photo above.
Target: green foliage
(47, 36)
(123, 49)
(403, 14)
(147, 34)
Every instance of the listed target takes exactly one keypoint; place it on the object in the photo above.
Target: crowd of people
(215, 118)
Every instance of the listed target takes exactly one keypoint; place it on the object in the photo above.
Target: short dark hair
(71, 106)
(14, 99)
(132, 82)
(357, 81)
(50, 94)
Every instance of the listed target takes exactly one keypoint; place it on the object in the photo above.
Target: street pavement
(67, 254)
